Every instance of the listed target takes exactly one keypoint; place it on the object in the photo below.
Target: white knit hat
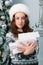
(18, 8)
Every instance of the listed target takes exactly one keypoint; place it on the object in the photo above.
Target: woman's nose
(20, 20)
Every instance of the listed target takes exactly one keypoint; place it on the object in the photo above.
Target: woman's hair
(26, 27)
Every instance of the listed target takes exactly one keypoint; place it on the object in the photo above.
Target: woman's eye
(23, 18)
(17, 18)
(20, 18)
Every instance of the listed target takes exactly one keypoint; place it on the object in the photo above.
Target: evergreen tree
(4, 22)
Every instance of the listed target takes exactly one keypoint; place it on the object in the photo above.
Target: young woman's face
(20, 19)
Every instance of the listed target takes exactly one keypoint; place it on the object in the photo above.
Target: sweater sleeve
(9, 38)
(37, 48)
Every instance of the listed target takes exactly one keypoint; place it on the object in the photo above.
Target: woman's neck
(20, 30)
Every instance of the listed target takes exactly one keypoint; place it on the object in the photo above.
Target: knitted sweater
(19, 58)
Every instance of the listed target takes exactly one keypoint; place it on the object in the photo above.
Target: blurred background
(36, 19)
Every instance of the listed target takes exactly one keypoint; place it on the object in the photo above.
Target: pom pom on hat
(18, 8)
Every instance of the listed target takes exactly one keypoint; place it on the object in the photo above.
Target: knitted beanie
(18, 8)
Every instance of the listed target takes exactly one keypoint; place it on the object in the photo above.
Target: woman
(19, 14)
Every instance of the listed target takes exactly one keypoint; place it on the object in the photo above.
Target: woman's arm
(28, 48)
(9, 38)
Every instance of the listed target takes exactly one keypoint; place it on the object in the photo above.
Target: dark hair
(26, 27)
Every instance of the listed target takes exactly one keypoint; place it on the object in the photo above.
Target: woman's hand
(21, 47)
(27, 48)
